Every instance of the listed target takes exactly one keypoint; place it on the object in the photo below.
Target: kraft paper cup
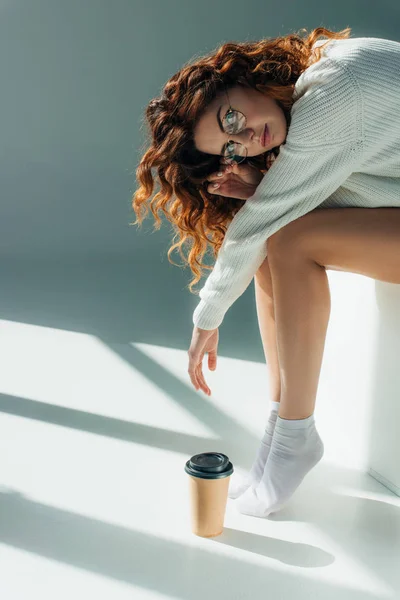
(209, 475)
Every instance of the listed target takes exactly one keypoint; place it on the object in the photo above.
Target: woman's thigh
(359, 240)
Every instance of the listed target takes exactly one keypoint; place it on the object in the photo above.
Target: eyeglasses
(233, 123)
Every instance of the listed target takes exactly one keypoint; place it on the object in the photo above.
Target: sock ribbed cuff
(294, 423)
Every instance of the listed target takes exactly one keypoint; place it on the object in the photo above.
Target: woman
(271, 152)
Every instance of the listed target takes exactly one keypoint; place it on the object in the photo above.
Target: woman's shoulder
(327, 104)
(358, 52)
(330, 94)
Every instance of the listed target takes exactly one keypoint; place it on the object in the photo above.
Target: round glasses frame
(231, 156)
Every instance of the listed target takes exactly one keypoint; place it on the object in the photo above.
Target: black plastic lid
(209, 465)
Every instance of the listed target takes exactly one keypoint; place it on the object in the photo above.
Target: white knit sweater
(342, 150)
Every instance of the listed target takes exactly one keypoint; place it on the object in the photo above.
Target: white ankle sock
(296, 448)
(238, 485)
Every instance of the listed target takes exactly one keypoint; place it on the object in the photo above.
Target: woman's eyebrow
(219, 119)
(220, 126)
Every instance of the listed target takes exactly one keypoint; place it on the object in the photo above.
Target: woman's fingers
(220, 175)
(200, 377)
(192, 370)
(214, 188)
(194, 378)
(196, 375)
(217, 179)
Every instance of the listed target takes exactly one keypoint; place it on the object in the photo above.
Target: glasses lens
(233, 122)
(234, 152)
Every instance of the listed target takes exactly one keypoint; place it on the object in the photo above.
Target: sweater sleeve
(316, 159)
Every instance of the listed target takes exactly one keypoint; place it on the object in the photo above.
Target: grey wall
(76, 77)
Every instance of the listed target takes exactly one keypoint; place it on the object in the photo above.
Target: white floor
(94, 437)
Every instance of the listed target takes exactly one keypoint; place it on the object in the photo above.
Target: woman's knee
(263, 278)
(295, 238)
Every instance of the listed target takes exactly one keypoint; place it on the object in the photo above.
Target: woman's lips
(265, 139)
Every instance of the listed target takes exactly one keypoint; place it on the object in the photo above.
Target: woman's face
(258, 110)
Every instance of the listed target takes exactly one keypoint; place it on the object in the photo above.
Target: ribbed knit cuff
(274, 405)
(295, 423)
(207, 316)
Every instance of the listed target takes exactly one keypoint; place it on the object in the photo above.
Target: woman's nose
(246, 136)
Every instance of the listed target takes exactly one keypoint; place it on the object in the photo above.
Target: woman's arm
(323, 147)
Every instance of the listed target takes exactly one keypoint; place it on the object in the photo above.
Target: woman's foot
(296, 449)
(239, 484)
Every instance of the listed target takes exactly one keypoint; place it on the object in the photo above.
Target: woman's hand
(203, 341)
(235, 181)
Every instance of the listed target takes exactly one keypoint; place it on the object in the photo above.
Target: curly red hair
(200, 219)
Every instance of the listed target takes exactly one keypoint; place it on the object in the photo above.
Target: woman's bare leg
(302, 311)
(364, 241)
(266, 323)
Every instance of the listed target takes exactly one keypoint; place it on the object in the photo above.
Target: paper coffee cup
(209, 475)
